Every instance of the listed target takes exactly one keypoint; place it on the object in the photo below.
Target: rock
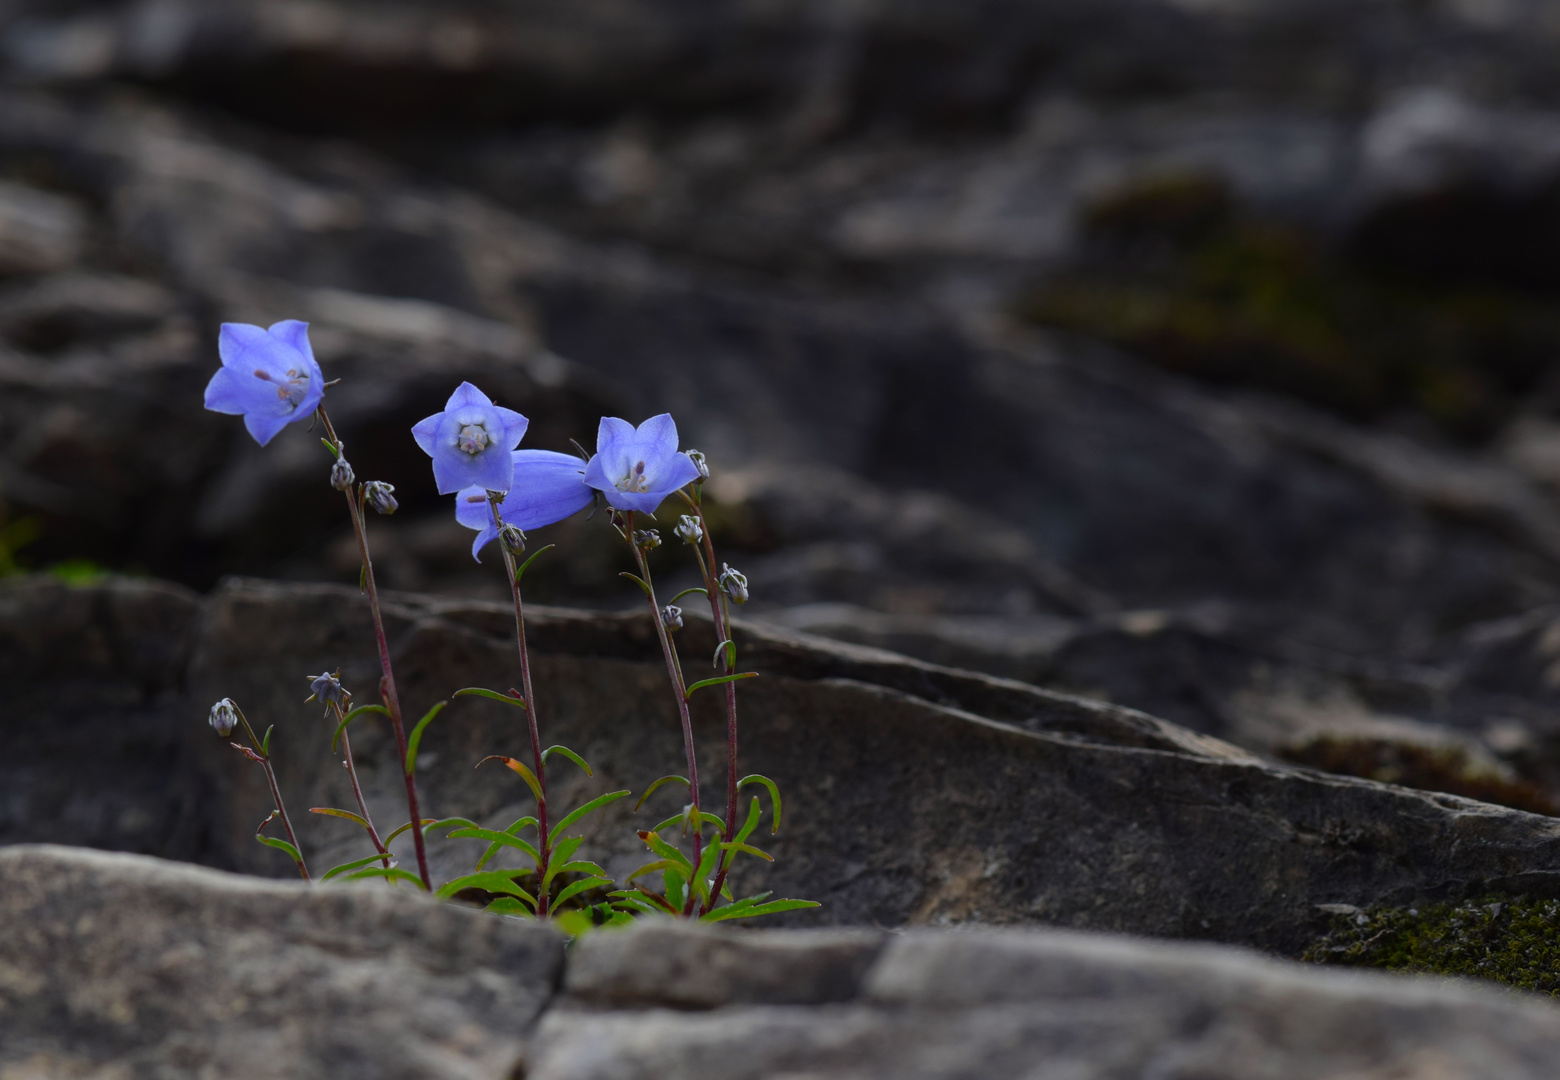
(120, 965)
(997, 1003)
(913, 793)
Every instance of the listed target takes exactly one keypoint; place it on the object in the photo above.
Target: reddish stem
(387, 689)
(276, 792)
(357, 791)
(722, 633)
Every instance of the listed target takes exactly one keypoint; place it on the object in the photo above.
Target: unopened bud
(327, 688)
(224, 716)
(513, 539)
(646, 539)
(671, 617)
(735, 584)
(381, 496)
(341, 476)
(689, 529)
(700, 464)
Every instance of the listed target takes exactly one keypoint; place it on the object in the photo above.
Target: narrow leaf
(280, 845)
(685, 592)
(513, 830)
(351, 716)
(395, 873)
(770, 908)
(520, 768)
(331, 812)
(426, 822)
(637, 580)
(750, 849)
(649, 868)
(477, 691)
(353, 865)
(265, 743)
(509, 905)
(498, 881)
(520, 573)
(570, 754)
(579, 867)
(715, 661)
(774, 795)
(649, 791)
(702, 683)
(666, 851)
(502, 839)
(574, 888)
(415, 738)
(755, 811)
(643, 901)
(701, 877)
(595, 804)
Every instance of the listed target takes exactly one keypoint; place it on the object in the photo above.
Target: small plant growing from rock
(270, 377)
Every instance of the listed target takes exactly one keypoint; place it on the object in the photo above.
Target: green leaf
(363, 570)
(498, 838)
(578, 867)
(477, 691)
(265, 743)
(520, 768)
(395, 873)
(685, 592)
(520, 573)
(509, 905)
(351, 716)
(755, 811)
(676, 889)
(728, 647)
(682, 822)
(666, 851)
(649, 868)
(417, 734)
(444, 823)
(570, 754)
(701, 877)
(595, 804)
(733, 912)
(774, 794)
(637, 580)
(750, 849)
(513, 830)
(331, 447)
(426, 822)
(354, 864)
(702, 683)
(649, 791)
(498, 881)
(639, 900)
(564, 851)
(346, 814)
(280, 845)
(574, 888)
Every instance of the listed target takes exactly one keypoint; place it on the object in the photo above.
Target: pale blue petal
(657, 437)
(453, 470)
(263, 427)
(225, 393)
(596, 476)
(472, 511)
(640, 502)
(612, 433)
(244, 345)
(548, 487)
(678, 471)
(514, 426)
(466, 394)
(425, 431)
(295, 335)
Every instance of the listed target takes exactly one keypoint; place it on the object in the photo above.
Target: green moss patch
(1512, 941)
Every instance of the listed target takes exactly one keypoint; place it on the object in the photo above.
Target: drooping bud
(735, 584)
(689, 529)
(647, 539)
(513, 539)
(671, 617)
(223, 718)
(700, 464)
(328, 689)
(341, 475)
(381, 496)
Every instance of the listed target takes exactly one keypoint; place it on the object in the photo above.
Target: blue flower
(636, 468)
(269, 377)
(548, 487)
(470, 442)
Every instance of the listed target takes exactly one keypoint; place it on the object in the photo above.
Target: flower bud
(224, 715)
(647, 539)
(689, 529)
(735, 584)
(700, 464)
(341, 475)
(381, 496)
(513, 539)
(671, 617)
(327, 688)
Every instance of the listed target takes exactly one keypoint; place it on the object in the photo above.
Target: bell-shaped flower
(470, 442)
(636, 468)
(547, 487)
(269, 377)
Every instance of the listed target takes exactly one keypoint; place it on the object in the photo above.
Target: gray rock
(124, 966)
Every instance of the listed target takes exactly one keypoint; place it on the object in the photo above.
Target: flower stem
(545, 845)
(357, 790)
(264, 759)
(674, 671)
(387, 690)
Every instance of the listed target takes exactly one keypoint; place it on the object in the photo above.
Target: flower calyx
(513, 539)
(671, 617)
(327, 688)
(689, 529)
(341, 475)
(699, 463)
(224, 717)
(647, 539)
(735, 583)
(381, 496)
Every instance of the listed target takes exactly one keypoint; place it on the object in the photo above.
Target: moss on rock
(1509, 940)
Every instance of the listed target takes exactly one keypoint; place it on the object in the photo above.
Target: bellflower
(269, 377)
(636, 468)
(547, 487)
(470, 442)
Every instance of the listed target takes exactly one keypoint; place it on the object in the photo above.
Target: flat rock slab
(119, 966)
(914, 794)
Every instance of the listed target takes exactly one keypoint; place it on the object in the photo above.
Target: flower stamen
(634, 480)
(473, 439)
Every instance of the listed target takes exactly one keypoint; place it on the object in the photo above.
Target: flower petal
(612, 433)
(514, 426)
(657, 436)
(596, 476)
(264, 427)
(295, 335)
(226, 394)
(466, 394)
(678, 471)
(426, 430)
(472, 511)
(242, 345)
(548, 487)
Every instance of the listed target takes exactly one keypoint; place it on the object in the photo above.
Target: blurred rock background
(1199, 355)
